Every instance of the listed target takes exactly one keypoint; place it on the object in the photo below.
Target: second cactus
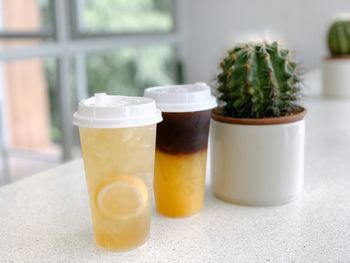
(339, 37)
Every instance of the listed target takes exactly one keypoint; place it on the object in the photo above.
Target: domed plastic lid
(182, 98)
(106, 111)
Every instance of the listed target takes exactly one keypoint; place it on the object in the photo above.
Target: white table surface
(45, 218)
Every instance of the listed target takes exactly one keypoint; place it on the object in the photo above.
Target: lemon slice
(124, 198)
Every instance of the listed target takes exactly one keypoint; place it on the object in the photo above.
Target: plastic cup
(117, 136)
(181, 147)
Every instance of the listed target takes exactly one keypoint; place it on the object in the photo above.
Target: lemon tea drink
(181, 147)
(118, 144)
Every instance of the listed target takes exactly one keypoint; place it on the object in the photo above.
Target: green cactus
(339, 38)
(258, 80)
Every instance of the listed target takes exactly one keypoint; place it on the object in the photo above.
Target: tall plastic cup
(181, 147)
(117, 136)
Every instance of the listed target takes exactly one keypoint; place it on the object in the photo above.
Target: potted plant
(257, 132)
(336, 67)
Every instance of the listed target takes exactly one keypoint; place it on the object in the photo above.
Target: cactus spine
(339, 38)
(258, 80)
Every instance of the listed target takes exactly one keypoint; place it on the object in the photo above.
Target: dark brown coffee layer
(184, 132)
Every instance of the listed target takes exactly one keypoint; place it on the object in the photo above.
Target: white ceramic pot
(336, 77)
(257, 165)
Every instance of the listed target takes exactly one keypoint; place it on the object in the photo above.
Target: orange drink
(181, 148)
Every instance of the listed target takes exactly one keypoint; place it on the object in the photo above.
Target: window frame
(66, 45)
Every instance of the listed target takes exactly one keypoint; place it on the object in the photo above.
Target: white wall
(211, 25)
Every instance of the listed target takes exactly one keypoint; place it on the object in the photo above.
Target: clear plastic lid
(107, 111)
(182, 98)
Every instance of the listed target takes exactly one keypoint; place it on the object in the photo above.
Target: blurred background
(54, 53)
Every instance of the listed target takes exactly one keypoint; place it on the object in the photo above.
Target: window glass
(26, 16)
(25, 23)
(32, 116)
(124, 16)
(128, 71)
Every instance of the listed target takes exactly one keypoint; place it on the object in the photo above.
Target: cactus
(258, 80)
(339, 37)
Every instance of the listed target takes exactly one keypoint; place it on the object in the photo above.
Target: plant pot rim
(338, 57)
(263, 121)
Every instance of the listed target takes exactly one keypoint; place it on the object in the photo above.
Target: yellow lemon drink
(181, 147)
(119, 165)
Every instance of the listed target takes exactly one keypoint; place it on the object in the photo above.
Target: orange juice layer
(179, 183)
(119, 173)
